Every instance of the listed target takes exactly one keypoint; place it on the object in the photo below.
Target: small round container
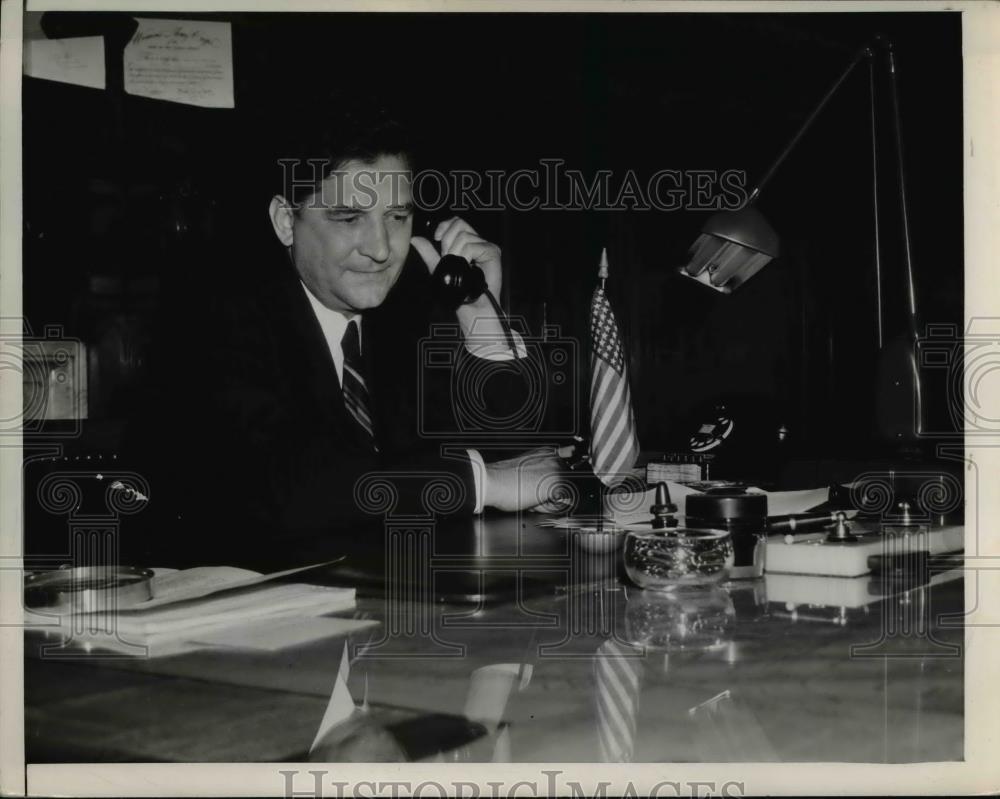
(743, 516)
(677, 559)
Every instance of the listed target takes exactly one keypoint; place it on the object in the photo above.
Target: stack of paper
(207, 606)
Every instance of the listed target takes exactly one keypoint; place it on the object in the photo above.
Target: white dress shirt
(334, 325)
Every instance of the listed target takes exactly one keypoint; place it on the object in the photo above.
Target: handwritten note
(181, 61)
(78, 60)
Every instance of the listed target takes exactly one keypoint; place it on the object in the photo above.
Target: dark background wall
(130, 201)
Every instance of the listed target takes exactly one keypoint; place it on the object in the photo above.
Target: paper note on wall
(182, 61)
(79, 60)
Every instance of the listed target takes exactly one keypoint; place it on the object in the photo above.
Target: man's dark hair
(326, 137)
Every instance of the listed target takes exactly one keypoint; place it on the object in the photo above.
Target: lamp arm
(864, 52)
(903, 205)
(908, 252)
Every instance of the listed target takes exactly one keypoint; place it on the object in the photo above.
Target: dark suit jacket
(251, 450)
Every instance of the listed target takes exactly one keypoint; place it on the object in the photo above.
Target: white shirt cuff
(478, 477)
(491, 349)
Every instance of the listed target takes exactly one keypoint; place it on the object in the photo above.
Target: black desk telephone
(457, 282)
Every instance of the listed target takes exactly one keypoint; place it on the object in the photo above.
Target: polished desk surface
(546, 672)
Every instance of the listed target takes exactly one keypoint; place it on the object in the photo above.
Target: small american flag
(614, 446)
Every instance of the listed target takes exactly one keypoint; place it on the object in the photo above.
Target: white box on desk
(817, 590)
(851, 559)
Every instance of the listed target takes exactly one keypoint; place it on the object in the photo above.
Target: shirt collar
(334, 323)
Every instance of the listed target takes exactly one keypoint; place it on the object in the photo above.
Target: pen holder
(677, 559)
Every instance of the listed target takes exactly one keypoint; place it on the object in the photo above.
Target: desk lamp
(735, 245)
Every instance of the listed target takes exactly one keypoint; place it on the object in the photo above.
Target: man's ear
(282, 219)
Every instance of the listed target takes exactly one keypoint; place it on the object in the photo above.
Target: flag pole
(602, 275)
(602, 268)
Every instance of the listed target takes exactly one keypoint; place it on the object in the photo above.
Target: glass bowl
(677, 559)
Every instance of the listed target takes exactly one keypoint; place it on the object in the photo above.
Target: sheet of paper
(236, 607)
(180, 586)
(785, 503)
(261, 619)
(183, 61)
(271, 635)
(79, 60)
(634, 508)
(631, 509)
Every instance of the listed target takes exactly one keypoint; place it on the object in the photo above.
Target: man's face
(351, 238)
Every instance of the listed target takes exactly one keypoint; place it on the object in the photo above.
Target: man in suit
(307, 385)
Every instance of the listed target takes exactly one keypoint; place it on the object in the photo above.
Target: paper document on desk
(628, 510)
(235, 607)
(269, 618)
(631, 509)
(266, 636)
(203, 603)
(787, 503)
(171, 586)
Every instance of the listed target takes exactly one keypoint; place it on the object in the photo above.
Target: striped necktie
(356, 398)
(618, 671)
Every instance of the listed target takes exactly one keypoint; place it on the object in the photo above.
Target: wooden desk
(754, 681)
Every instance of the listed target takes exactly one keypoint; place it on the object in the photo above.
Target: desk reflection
(558, 659)
(718, 674)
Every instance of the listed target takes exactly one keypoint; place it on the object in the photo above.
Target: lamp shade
(732, 248)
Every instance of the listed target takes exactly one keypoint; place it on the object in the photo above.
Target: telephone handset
(456, 281)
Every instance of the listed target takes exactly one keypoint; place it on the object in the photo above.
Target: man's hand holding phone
(455, 236)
